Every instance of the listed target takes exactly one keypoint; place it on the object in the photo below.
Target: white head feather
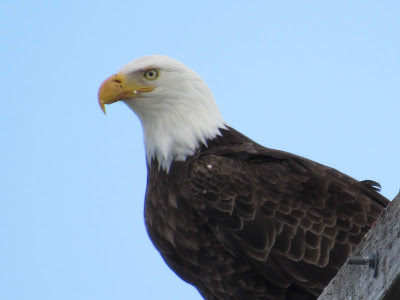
(177, 116)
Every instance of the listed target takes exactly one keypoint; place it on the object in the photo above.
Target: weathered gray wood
(356, 282)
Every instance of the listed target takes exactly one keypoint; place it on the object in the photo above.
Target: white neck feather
(177, 117)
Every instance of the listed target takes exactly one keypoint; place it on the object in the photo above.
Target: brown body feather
(240, 221)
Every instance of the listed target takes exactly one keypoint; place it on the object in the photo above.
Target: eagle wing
(294, 220)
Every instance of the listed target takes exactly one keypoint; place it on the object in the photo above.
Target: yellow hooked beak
(117, 87)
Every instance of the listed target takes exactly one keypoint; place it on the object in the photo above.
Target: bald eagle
(229, 216)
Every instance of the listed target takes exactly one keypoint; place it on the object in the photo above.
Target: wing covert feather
(288, 211)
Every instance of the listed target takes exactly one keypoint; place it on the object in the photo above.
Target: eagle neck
(177, 133)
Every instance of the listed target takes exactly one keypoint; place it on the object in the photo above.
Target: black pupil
(151, 74)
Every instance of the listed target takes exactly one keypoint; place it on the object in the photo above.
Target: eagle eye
(151, 74)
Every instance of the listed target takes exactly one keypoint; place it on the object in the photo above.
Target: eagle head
(175, 106)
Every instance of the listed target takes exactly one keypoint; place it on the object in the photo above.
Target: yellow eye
(151, 74)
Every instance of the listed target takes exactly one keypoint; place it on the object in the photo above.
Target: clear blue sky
(316, 79)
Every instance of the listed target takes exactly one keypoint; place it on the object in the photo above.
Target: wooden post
(356, 282)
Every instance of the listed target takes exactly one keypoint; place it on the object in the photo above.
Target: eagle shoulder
(287, 215)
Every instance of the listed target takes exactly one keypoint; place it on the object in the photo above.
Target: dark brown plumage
(240, 221)
(235, 219)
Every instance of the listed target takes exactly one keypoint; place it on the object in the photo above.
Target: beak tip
(102, 106)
